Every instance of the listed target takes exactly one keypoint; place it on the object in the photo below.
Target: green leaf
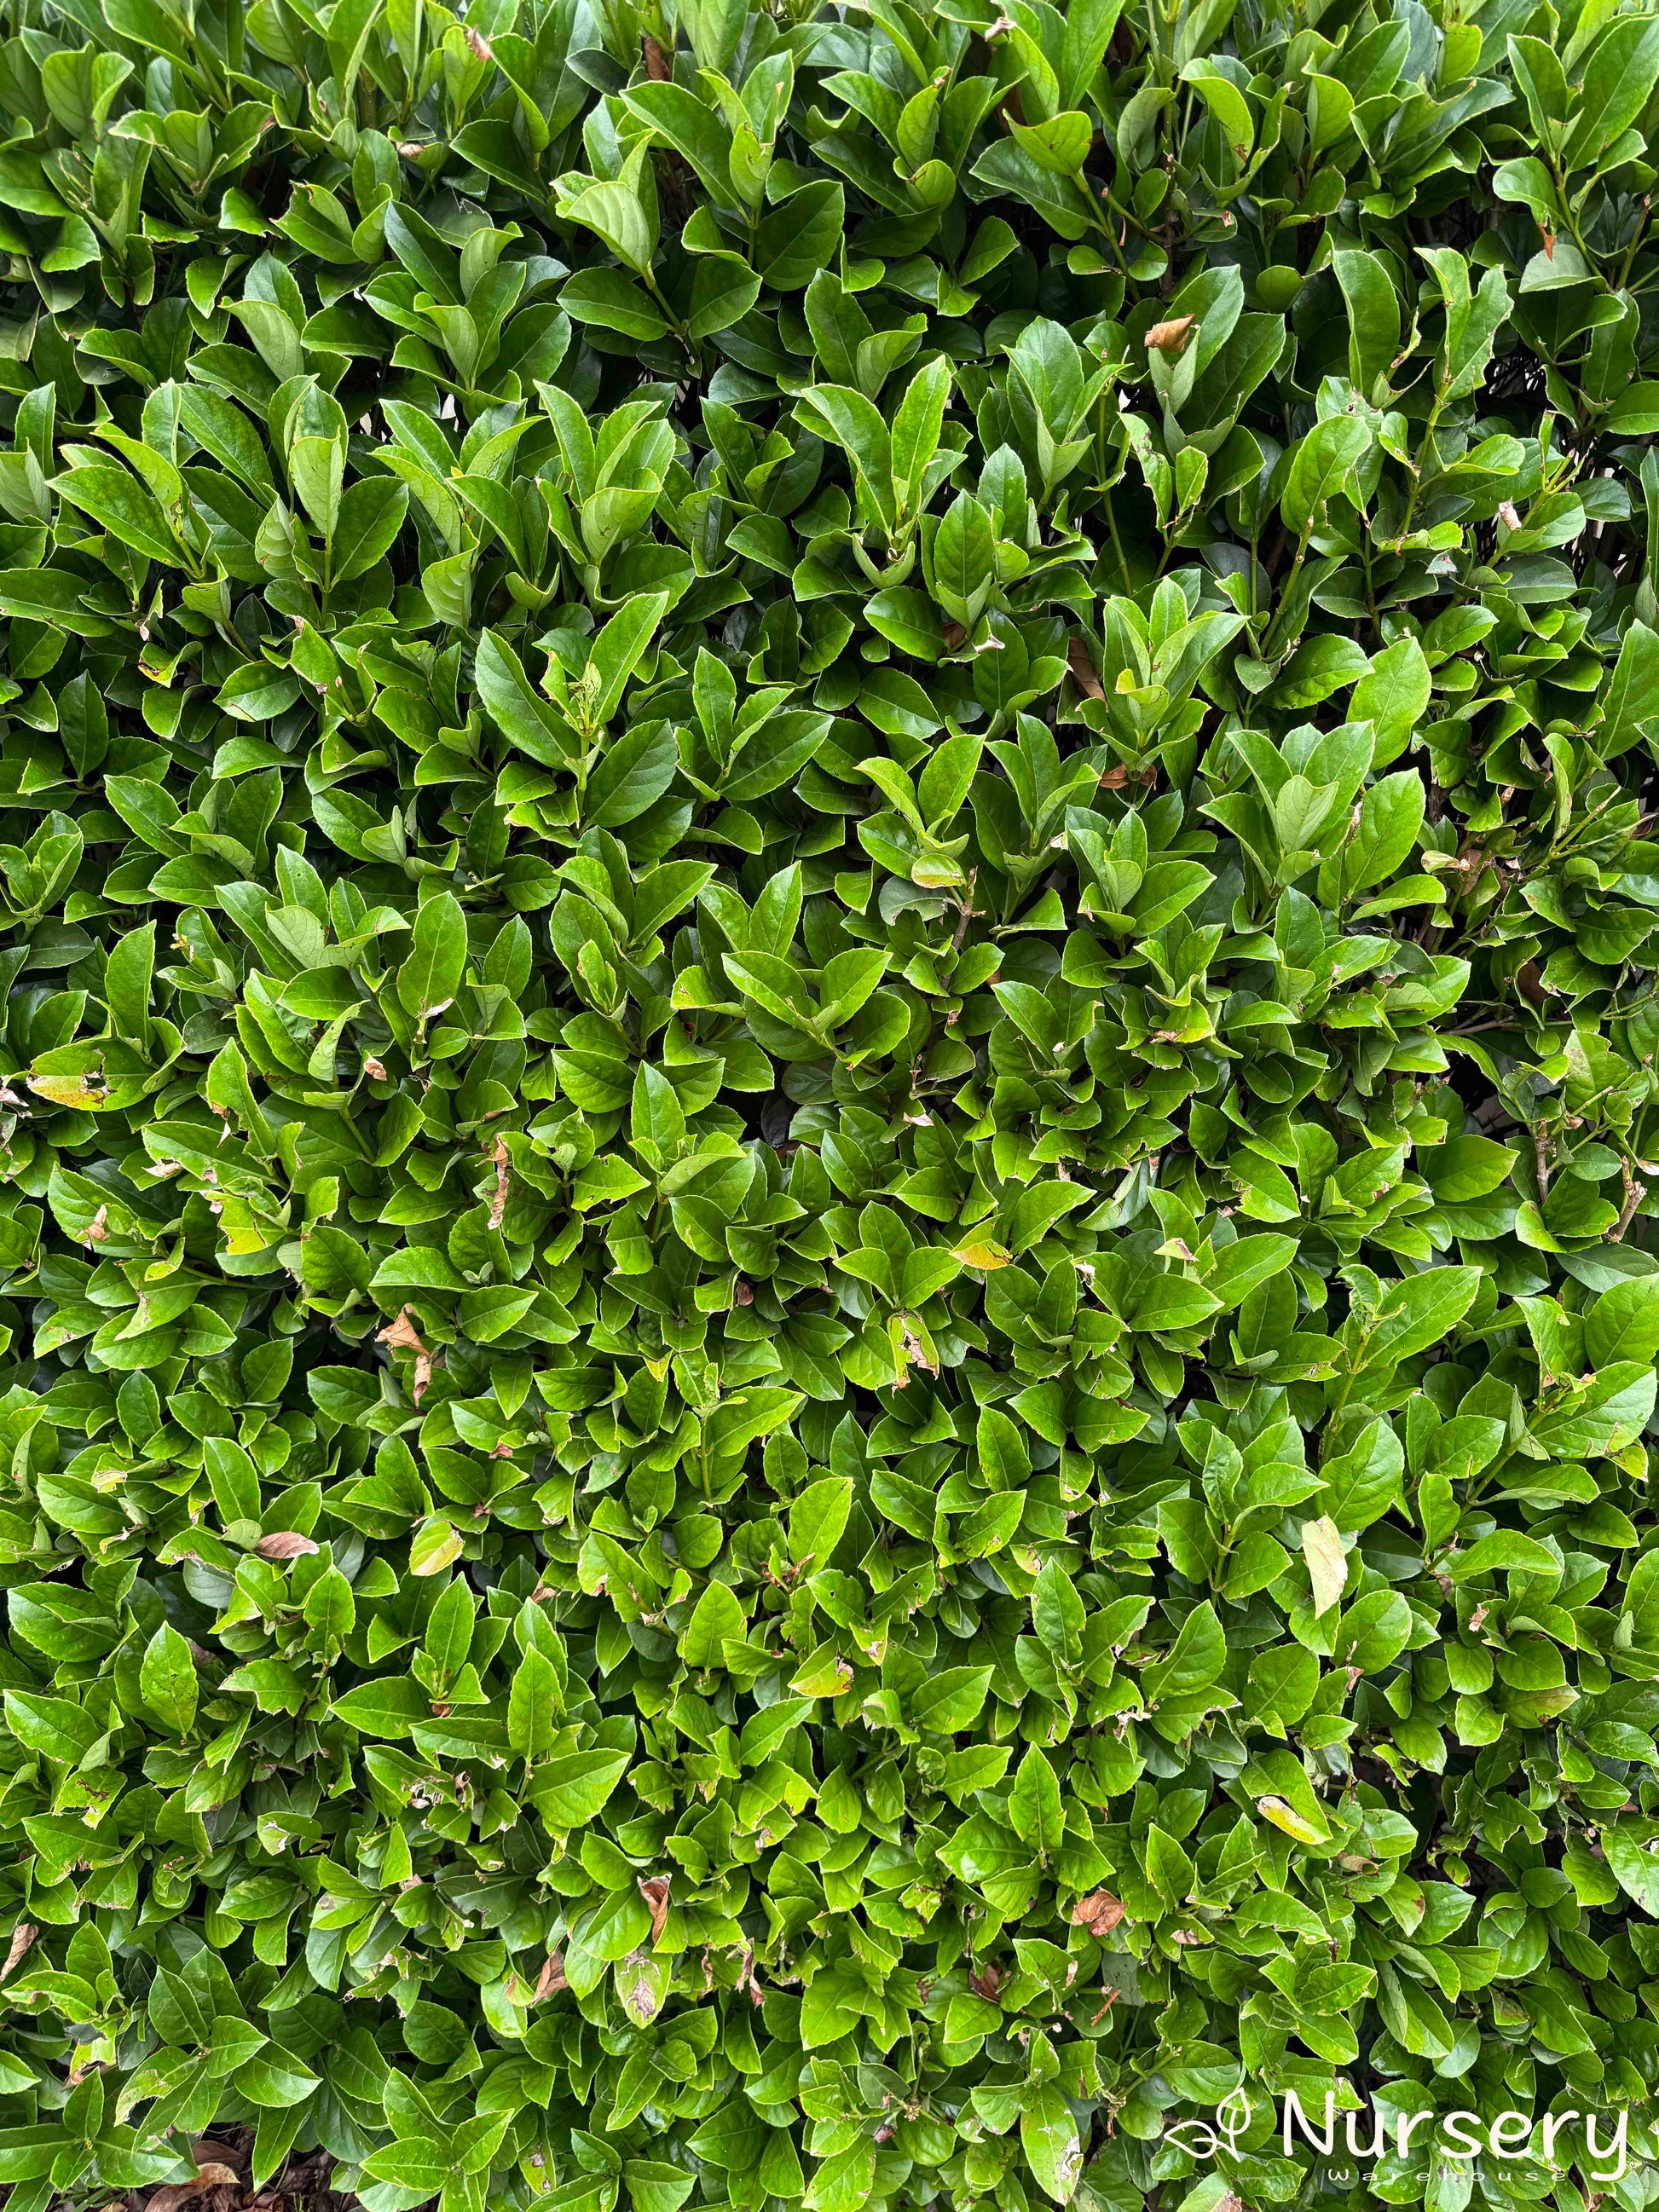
(532, 1707)
(951, 1700)
(386, 1708)
(1418, 1312)
(723, 290)
(817, 1519)
(916, 427)
(371, 515)
(53, 1726)
(166, 1676)
(1389, 818)
(1373, 1631)
(1392, 697)
(716, 1618)
(617, 650)
(1322, 467)
(568, 1790)
(430, 978)
(634, 772)
(127, 984)
(615, 302)
(852, 420)
(1624, 1322)
(1373, 321)
(124, 507)
(1049, 2137)
(1035, 1812)
(526, 720)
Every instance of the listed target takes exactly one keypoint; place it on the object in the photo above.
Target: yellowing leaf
(1328, 1563)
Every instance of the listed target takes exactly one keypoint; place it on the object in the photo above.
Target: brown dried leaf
(551, 1977)
(1170, 337)
(654, 1889)
(214, 2175)
(205, 2148)
(657, 64)
(401, 1334)
(1099, 1912)
(498, 1203)
(1083, 669)
(747, 1978)
(22, 1936)
(284, 1544)
(985, 1982)
(917, 1351)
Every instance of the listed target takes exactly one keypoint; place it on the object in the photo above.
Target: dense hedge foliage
(830, 1288)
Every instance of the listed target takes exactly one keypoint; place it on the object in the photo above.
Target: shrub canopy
(828, 1069)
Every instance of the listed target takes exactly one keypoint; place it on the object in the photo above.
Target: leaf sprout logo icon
(1200, 2140)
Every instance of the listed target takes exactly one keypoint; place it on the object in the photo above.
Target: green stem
(1106, 232)
(1636, 239)
(1290, 584)
(1117, 544)
(679, 329)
